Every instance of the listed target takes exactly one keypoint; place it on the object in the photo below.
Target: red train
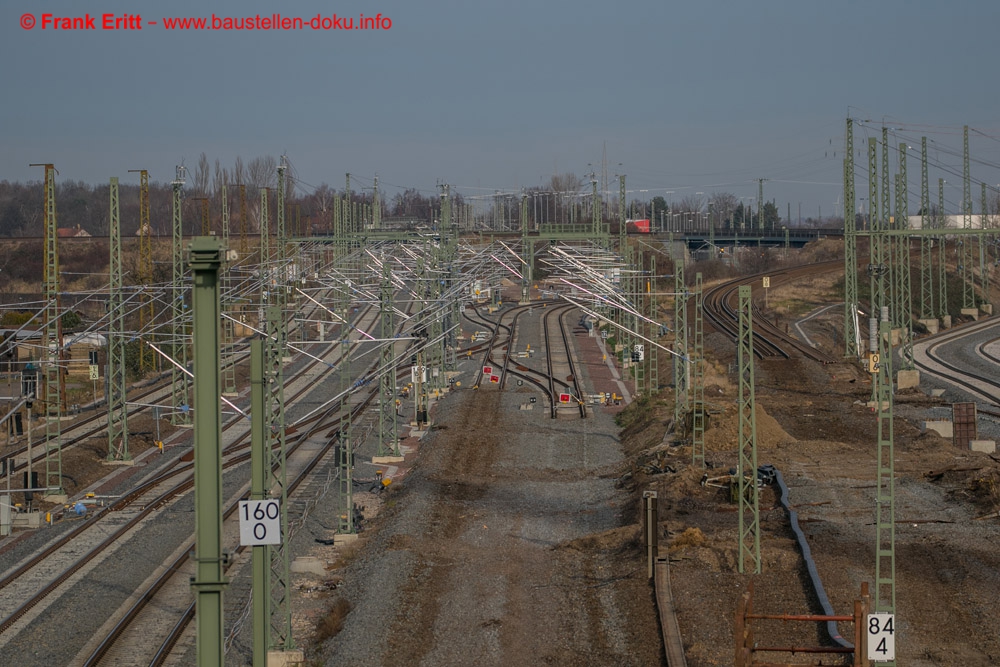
(637, 226)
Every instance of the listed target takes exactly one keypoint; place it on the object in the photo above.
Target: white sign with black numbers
(260, 522)
(881, 637)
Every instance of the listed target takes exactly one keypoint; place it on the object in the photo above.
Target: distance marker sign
(260, 522)
(881, 637)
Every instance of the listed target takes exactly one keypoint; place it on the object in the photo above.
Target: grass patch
(332, 621)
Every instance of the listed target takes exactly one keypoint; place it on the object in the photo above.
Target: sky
(684, 98)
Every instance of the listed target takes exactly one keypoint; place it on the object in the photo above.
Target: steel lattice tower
(885, 499)
(179, 380)
(877, 264)
(281, 613)
(265, 248)
(747, 470)
(595, 212)
(968, 280)
(280, 252)
(654, 372)
(942, 254)
(117, 411)
(346, 459)
(681, 360)
(388, 435)
(227, 303)
(525, 252)
(926, 242)
(147, 358)
(698, 378)
(905, 301)
(244, 247)
(851, 333)
(621, 215)
(52, 341)
(984, 271)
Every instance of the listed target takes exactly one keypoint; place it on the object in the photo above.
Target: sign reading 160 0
(260, 522)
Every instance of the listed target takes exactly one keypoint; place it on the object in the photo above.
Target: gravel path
(501, 547)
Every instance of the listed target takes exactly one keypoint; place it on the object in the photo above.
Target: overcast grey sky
(689, 97)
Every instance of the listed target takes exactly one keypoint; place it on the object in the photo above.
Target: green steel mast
(851, 333)
(117, 411)
(749, 514)
(179, 380)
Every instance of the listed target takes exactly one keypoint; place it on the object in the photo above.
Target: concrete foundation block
(987, 308)
(986, 446)
(344, 538)
(937, 393)
(907, 379)
(308, 565)
(932, 325)
(946, 322)
(971, 312)
(382, 460)
(943, 427)
(285, 658)
(27, 520)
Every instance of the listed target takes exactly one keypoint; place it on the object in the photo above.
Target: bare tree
(691, 204)
(220, 178)
(202, 175)
(722, 205)
(239, 171)
(262, 172)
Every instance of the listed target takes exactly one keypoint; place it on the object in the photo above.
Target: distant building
(956, 222)
(72, 232)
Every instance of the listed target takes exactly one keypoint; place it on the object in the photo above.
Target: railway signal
(495, 379)
(564, 398)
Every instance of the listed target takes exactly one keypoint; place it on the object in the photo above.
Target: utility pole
(968, 281)
(117, 410)
(877, 260)
(274, 425)
(376, 207)
(209, 581)
(760, 204)
(984, 271)
(526, 252)
(943, 259)
(926, 242)
(903, 302)
(681, 360)
(388, 435)
(621, 215)
(885, 498)
(281, 285)
(346, 458)
(244, 246)
(698, 378)
(147, 358)
(654, 368)
(851, 334)
(227, 301)
(259, 459)
(749, 527)
(52, 344)
(178, 378)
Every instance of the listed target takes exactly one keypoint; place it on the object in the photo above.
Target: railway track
(547, 382)
(930, 356)
(86, 542)
(95, 424)
(722, 310)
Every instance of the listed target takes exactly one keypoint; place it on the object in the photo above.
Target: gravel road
(501, 547)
